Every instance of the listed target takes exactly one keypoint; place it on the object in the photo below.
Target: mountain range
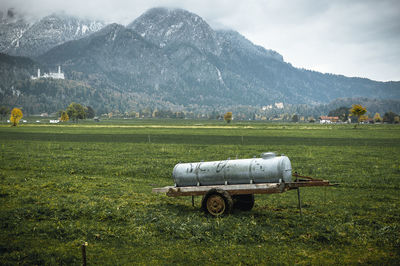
(31, 38)
(165, 59)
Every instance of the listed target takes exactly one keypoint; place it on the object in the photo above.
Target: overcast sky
(350, 37)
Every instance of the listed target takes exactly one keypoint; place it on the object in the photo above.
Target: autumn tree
(16, 115)
(64, 116)
(228, 117)
(377, 118)
(76, 111)
(358, 110)
(364, 118)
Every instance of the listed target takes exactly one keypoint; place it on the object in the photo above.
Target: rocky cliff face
(171, 27)
(22, 38)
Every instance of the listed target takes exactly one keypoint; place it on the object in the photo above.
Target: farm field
(63, 185)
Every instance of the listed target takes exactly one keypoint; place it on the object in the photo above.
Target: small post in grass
(298, 197)
(83, 248)
(192, 201)
(149, 138)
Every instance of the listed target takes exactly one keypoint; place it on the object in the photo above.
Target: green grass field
(63, 185)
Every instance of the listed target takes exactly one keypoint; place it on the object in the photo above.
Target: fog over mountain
(170, 59)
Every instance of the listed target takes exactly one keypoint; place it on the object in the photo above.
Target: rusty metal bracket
(295, 174)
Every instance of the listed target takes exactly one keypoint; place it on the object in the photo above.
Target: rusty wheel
(217, 202)
(216, 205)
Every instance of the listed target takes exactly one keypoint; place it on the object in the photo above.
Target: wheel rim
(216, 205)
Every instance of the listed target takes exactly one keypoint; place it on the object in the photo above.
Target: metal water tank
(267, 169)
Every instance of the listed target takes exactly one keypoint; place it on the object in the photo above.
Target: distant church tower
(38, 73)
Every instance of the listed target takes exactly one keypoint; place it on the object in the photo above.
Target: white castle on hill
(277, 106)
(51, 75)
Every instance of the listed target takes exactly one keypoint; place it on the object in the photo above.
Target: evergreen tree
(389, 117)
(341, 112)
(4, 111)
(90, 113)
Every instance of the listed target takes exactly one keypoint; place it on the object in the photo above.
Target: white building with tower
(50, 75)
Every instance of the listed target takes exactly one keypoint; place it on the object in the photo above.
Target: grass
(62, 185)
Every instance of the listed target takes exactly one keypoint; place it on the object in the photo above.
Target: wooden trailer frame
(219, 199)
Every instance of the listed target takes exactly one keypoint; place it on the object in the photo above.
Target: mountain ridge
(23, 38)
(172, 59)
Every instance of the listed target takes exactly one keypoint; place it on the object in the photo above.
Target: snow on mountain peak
(25, 39)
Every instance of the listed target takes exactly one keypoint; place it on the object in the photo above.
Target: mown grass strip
(197, 139)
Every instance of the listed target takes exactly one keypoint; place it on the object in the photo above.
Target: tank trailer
(230, 184)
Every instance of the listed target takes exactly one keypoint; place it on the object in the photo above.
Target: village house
(328, 119)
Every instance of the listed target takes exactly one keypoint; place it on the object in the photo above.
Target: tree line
(76, 112)
(357, 110)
